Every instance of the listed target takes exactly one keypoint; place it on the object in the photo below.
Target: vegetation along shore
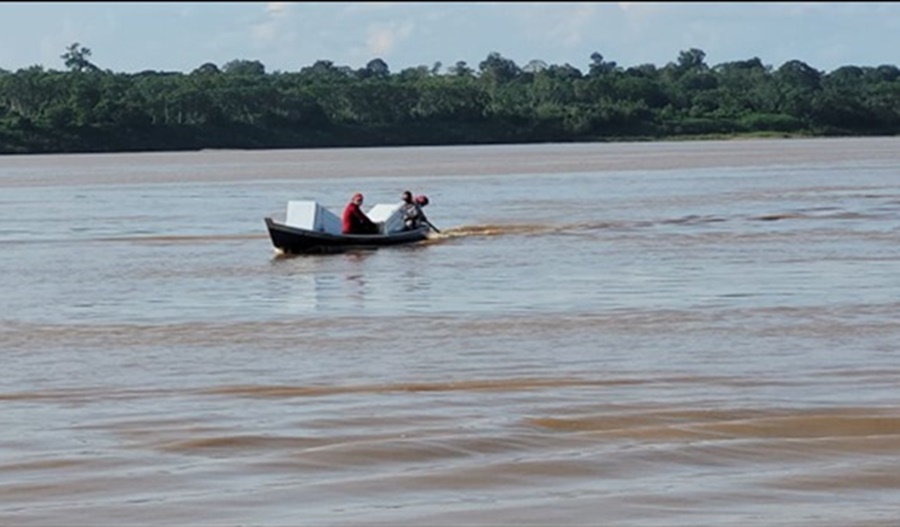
(242, 106)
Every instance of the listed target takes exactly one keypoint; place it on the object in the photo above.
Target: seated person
(355, 220)
(421, 201)
(412, 212)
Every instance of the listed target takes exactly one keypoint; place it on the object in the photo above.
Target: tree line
(240, 105)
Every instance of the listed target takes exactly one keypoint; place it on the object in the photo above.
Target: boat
(310, 228)
(296, 240)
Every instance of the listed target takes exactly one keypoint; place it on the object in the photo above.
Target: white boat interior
(312, 216)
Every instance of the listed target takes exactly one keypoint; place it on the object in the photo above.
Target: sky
(129, 37)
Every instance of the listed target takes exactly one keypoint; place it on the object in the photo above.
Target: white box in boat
(389, 216)
(309, 215)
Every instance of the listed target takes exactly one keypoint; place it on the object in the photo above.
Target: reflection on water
(638, 334)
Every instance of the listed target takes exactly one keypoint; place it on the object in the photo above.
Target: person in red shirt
(355, 220)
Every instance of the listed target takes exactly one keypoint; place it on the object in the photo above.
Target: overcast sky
(128, 37)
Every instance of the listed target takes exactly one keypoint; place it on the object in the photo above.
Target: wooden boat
(310, 228)
(295, 240)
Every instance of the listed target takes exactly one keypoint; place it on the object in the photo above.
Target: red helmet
(357, 198)
(422, 200)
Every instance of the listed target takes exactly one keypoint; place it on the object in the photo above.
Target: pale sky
(128, 37)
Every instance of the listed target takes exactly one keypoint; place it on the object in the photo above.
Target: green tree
(375, 68)
(599, 66)
(496, 69)
(76, 58)
(797, 85)
(244, 67)
(461, 69)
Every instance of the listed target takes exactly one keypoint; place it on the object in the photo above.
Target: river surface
(642, 334)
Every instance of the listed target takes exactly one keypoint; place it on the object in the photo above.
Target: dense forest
(241, 105)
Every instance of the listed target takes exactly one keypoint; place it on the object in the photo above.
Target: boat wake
(490, 230)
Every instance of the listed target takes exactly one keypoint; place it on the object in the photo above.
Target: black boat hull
(293, 240)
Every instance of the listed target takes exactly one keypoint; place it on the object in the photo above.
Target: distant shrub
(774, 122)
